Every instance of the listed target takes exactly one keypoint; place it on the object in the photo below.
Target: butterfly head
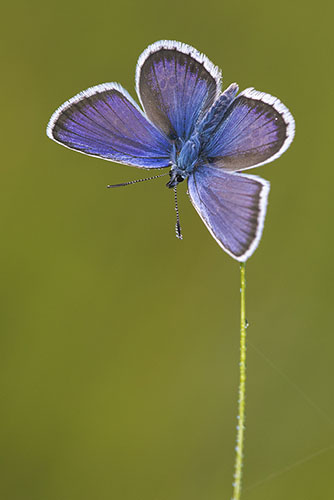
(176, 176)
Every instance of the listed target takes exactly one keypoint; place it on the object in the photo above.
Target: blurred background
(120, 344)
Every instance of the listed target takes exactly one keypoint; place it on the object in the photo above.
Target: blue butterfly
(189, 126)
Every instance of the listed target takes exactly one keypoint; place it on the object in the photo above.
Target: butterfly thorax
(184, 159)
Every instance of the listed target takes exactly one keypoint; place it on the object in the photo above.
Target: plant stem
(242, 389)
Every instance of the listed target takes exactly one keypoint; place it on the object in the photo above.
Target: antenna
(135, 182)
(177, 225)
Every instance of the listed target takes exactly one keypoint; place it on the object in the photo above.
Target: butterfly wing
(256, 129)
(232, 206)
(104, 121)
(176, 85)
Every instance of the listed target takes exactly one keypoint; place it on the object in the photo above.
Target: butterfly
(189, 126)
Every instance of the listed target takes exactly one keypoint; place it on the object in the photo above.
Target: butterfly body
(188, 125)
(194, 152)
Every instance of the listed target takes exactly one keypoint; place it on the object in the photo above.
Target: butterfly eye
(179, 178)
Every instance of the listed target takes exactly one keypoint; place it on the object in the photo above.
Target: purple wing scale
(104, 121)
(176, 85)
(256, 129)
(232, 206)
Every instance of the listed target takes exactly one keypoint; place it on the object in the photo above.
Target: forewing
(176, 85)
(256, 129)
(104, 121)
(232, 206)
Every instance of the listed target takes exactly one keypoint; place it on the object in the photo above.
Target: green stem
(242, 389)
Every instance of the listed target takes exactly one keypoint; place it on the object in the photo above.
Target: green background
(119, 343)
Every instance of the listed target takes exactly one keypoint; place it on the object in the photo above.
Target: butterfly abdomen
(215, 115)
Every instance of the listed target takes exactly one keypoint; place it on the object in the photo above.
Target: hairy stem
(242, 389)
